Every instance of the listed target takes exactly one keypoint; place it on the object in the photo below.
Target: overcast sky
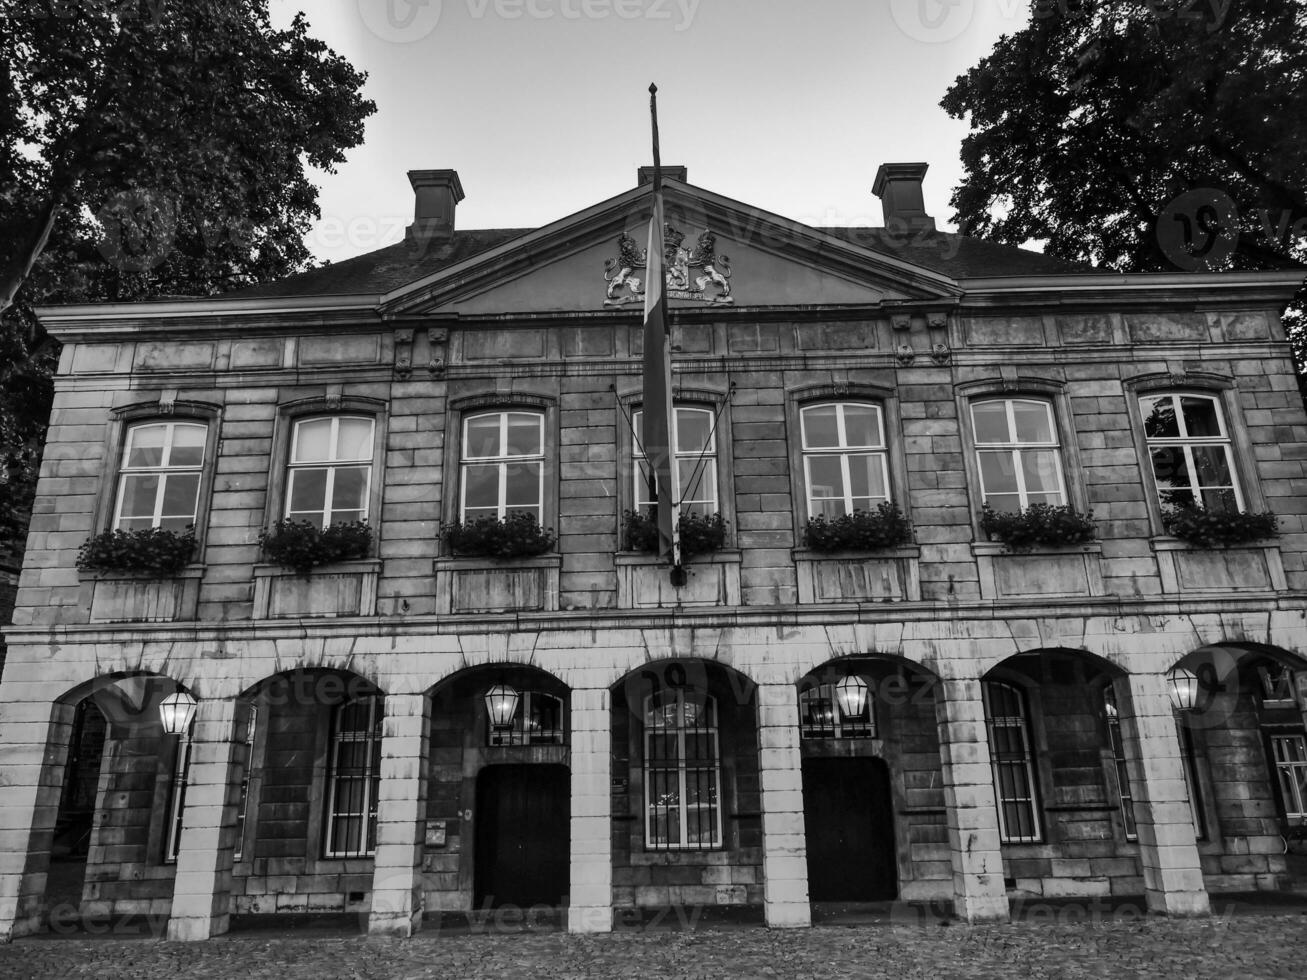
(542, 105)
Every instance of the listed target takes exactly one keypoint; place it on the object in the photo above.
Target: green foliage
(1216, 528)
(700, 533)
(147, 148)
(302, 545)
(518, 535)
(153, 550)
(1044, 524)
(863, 530)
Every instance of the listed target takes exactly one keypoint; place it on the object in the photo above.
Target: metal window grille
(845, 465)
(1290, 753)
(537, 721)
(242, 808)
(503, 465)
(159, 476)
(1017, 453)
(1013, 763)
(822, 716)
(330, 469)
(181, 770)
(354, 778)
(681, 772)
(1117, 744)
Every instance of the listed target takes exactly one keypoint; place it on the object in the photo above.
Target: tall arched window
(1017, 453)
(682, 772)
(1189, 447)
(330, 469)
(503, 465)
(159, 477)
(354, 777)
(1013, 762)
(844, 460)
(1116, 743)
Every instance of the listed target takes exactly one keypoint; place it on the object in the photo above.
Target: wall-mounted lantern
(501, 705)
(1183, 688)
(176, 712)
(851, 693)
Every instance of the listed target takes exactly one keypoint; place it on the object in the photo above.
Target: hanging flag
(659, 436)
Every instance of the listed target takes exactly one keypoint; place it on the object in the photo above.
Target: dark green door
(849, 818)
(522, 835)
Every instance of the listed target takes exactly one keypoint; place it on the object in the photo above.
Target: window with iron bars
(822, 716)
(353, 778)
(682, 774)
(538, 720)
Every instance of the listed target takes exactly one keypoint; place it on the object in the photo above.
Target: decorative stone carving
(437, 338)
(905, 355)
(403, 353)
(901, 322)
(940, 354)
(712, 286)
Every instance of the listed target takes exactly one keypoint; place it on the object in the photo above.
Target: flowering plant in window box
(1047, 524)
(519, 535)
(863, 530)
(153, 550)
(303, 545)
(1218, 529)
(700, 533)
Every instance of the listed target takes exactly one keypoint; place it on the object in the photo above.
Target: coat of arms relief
(694, 273)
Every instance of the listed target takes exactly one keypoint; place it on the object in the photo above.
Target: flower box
(485, 585)
(126, 597)
(347, 588)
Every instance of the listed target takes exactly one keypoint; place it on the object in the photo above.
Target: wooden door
(522, 832)
(849, 819)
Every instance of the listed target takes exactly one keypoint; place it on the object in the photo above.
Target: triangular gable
(721, 254)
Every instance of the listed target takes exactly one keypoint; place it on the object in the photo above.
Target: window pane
(308, 491)
(819, 427)
(991, 422)
(355, 439)
(826, 478)
(637, 427)
(187, 445)
(524, 432)
(145, 445)
(313, 441)
(861, 425)
(1212, 465)
(996, 473)
(139, 491)
(693, 430)
(482, 437)
(1159, 417)
(867, 476)
(1039, 466)
(179, 494)
(349, 493)
(698, 479)
(481, 486)
(1034, 422)
(1201, 418)
(523, 490)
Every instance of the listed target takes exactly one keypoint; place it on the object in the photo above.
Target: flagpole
(659, 410)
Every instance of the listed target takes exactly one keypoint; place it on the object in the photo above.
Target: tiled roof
(397, 265)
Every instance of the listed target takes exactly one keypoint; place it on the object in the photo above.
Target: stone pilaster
(201, 898)
(397, 900)
(978, 891)
(785, 851)
(33, 751)
(590, 902)
(1173, 877)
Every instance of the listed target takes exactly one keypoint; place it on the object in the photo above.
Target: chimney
(898, 185)
(436, 194)
(645, 175)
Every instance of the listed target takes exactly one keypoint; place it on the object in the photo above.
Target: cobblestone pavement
(1244, 947)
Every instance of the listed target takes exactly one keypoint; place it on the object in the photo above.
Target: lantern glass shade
(851, 693)
(501, 705)
(176, 712)
(1183, 688)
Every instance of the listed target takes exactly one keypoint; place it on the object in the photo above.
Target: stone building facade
(671, 745)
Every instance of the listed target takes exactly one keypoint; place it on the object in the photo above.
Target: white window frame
(707, 503)
(333, 463)
(835, 723)
(502, 461)
(1022, 762)
(1015, 448)
(369, 776)
(164, 470)
(1116, 744)
(1292, 774)
(1187, 443)
(710, 770)
(846, 452)
(521, 732)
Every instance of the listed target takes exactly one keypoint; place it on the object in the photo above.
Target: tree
(1142, 134)
(149, 147)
